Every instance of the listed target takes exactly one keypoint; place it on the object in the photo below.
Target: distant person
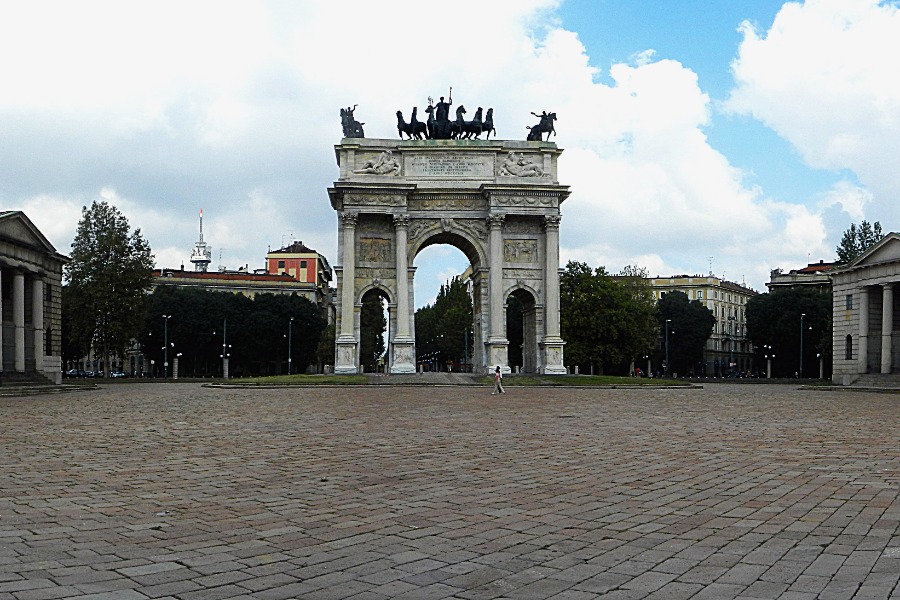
(498, 381)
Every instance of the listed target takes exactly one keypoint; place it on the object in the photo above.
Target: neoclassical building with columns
(865, 314)
(497, 201)
(30, 302)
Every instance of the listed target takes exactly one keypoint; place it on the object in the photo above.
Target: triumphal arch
(498, 201)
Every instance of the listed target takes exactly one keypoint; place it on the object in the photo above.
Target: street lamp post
(166, 345)
(290, 327)
(225, 354)
(731, 335)
(666, 370)
(768, 353)
(801, 344)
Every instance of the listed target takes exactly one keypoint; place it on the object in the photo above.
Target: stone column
(863, 337)
(37, 320)
(345, 360)
(403, 348)
(887, 326)
(1, 320)
(18, 298)
(552, 343)
(497, 342)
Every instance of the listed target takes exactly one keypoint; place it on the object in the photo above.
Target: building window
(699, 294)
(280, 264)
(302, 264)
(849, 302)
(848, 348)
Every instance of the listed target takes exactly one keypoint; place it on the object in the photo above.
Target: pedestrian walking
(498, 381)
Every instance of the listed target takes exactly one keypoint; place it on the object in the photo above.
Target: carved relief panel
(520, 251)
(375, 250)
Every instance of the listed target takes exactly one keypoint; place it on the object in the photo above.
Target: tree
(857, 240)
(606, 320)
(255, 331)
(773, 321)
(441, 328)
(692, 324)
(108, 276)
(325, 348)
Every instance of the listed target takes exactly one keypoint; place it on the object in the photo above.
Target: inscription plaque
(447, 165)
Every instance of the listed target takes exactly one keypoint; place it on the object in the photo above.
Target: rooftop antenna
(202, 253)
(710, 259)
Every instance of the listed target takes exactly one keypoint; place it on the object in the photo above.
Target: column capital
(552, 221)
(401, 221)
(495, 221)
(349, 219)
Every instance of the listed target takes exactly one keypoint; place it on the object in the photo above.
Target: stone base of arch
(403, 356)
(498, 355)
(345, 356)
(552, 354)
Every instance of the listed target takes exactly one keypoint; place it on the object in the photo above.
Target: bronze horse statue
(429, 125)
(352, 127)
(487, 126)
(457, 126)
(535, 134)
(473, 127)
(414, 129)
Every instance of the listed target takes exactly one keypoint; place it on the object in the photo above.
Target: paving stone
(146, 490)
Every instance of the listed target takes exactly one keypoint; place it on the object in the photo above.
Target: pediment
(886, 250)
(15, 227)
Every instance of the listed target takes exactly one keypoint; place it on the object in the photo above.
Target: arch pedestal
(497, 201)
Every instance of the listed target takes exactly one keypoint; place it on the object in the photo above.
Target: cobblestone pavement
(178, 491)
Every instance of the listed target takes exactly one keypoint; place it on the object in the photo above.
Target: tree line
(108, 311)
(611, 322)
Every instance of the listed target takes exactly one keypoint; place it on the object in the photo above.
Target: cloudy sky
(732, 136)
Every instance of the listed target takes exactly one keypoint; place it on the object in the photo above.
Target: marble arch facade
(498, 201)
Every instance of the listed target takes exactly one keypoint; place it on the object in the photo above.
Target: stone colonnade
(886, 333)
(14, 330)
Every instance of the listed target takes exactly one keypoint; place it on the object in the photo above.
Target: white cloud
(233, 108)
(824, 77)
(849, 197)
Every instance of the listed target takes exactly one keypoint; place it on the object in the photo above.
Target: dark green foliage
(857, 240)
(74, 347)
(773, 319)
(325, 349)
(254, 330)
(372, 325)
(441, 328)
(606, 321)
(692, 324)
(108, 276)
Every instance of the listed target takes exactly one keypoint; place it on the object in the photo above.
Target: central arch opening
(446, 282)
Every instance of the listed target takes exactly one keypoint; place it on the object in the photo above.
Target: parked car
(117, 374)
